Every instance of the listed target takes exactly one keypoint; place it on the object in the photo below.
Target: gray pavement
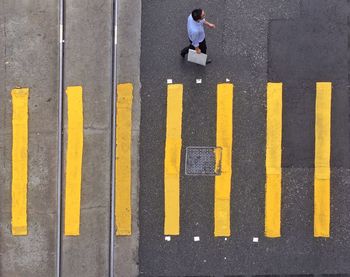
(294, 42)
(297, 42)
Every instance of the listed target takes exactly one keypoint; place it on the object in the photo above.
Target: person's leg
(186, 49)
(203, 47)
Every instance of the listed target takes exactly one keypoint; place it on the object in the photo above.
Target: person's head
(198, 14)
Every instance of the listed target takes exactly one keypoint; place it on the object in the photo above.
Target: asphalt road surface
(294, 42)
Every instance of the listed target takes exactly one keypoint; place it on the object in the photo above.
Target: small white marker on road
(227, 80)
(225, 238)
(196, 239)
(169, 81)
(168, 238)
(255, 239)
(198, 81)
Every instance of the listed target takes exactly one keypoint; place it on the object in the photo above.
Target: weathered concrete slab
(129, 51)
(28, 58)
(88, 57)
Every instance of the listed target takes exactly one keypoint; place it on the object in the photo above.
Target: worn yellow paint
(218, 157)
(273, 160)
(322, 159)
(74, 160)
(123, 160)
(172, 160)
(224, 127)
(19, 160)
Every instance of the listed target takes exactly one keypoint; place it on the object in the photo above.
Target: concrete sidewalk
(29, 40)
(129, 51)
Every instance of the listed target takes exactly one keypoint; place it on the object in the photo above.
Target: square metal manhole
(203, 161)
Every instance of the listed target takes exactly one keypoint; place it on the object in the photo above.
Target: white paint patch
(196, 239)
(61, 33)
(169, 81)
(225, 238)
(255, 239)
(198, 81)
(168, 238)
(224, 258)
(227, 80)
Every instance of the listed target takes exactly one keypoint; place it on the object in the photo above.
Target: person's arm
(208, 24)
(195, 44)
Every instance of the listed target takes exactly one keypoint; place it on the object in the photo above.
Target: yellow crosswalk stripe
(74, 160)
(224, 129)
(322, 159)
(273, 160)
(19, 160)
(172, 160)
(123, 160)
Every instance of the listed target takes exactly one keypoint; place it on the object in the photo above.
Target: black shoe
(208, 61)
(182, 55)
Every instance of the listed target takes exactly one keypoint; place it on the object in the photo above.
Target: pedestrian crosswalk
(172, 160)
(273, 166)
(224, 115)
(19, 160)
(273, 160)
(322, 160)
(123, 160)
(74, 160)
(173, 144)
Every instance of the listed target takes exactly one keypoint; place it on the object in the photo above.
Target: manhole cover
(203, 160)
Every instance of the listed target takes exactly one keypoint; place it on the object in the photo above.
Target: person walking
(196, 34)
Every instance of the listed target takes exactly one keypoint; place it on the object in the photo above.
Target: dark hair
(197, 14)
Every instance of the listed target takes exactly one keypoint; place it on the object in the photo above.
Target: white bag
(193, 57)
